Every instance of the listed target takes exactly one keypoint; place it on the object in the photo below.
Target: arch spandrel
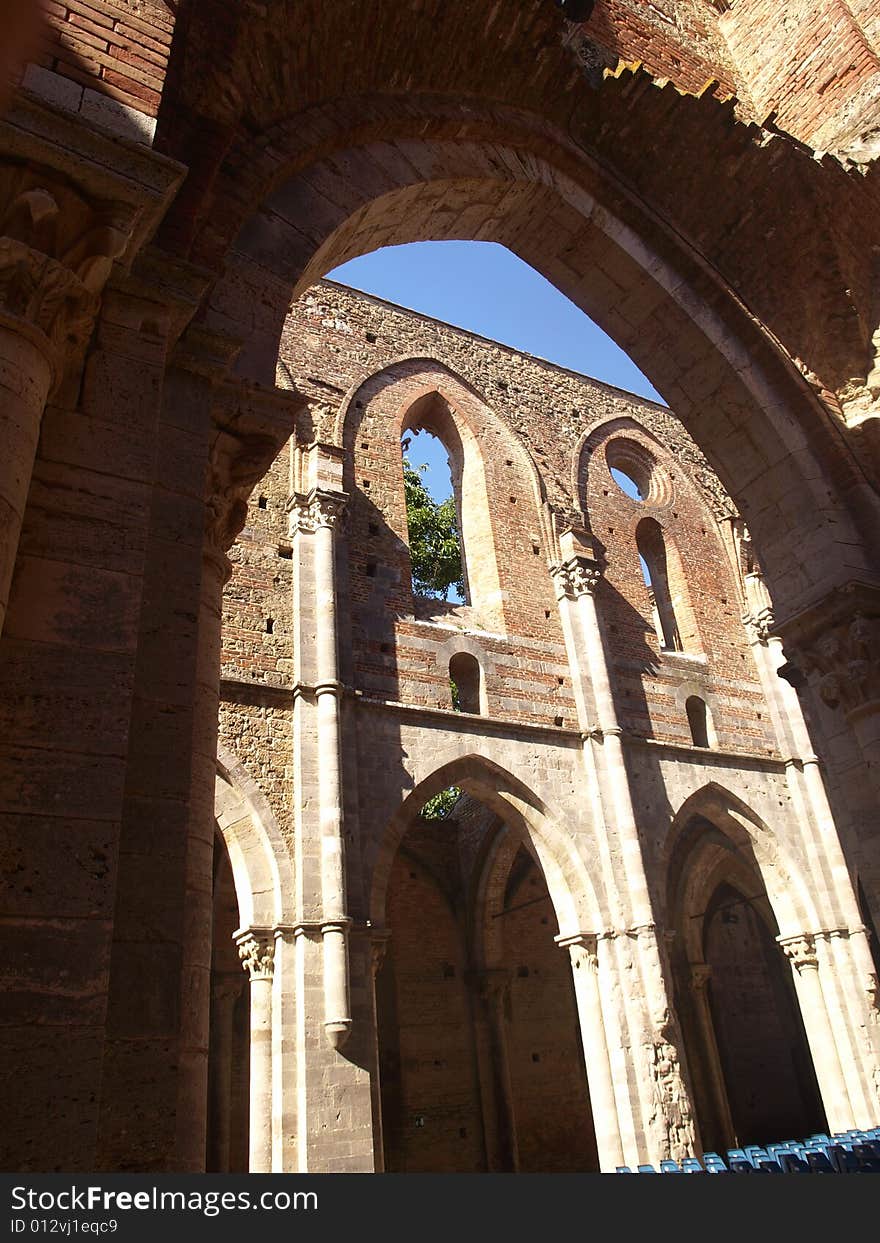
(260, 857)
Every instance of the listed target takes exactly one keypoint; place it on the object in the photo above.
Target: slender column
(801, 953)
(582, 948)
(846, 970)
(378, 950)
(318, 513)
(700, 974)
(666, 1113)
(225, 991)
(257, 951)
(490, 987)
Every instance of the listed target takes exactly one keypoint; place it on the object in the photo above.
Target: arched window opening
(466, 682)
(655, 570)
(636, 473)
(432, 519)
(700, 721)
(663, 572)
(451, 532)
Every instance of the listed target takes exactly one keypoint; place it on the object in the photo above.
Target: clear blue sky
(485, 288)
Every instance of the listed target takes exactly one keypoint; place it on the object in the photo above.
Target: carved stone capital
(583, 949)
(378, 949)
(490, 984)
(317, 509)
(841, 660)
(257, 954)
(57, 249)
(250, 430)
(800, 951)
(700, 975)
(579, 576)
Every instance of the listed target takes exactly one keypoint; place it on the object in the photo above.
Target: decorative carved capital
(317, 509)
(490, 984)
(583, 948)
(843, 663)
(56, 251)
(800, 951)
(761, 625)
(576, 577)
(240, 455)
(257, 954)
(701, 974)
(378, 949)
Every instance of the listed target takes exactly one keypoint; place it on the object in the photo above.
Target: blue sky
(486, 289)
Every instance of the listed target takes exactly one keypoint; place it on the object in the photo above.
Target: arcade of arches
(647, 919)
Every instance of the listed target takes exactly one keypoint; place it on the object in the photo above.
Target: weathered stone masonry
(583, 710)
(172, 178)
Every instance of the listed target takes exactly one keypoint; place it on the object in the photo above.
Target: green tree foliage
(434, 544)
(441, 805)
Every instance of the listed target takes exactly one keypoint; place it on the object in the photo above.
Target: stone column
(801, 953)
(316, 515)
(490, 989)
(700, 975)
(833, 650)
(225, 991)
(334, 1105)
(665, 1126)
(846, 969)
(582, 948)
(256, 948)
(56, 252)
(378, 950)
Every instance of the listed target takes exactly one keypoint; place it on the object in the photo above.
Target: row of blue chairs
(848, 1152)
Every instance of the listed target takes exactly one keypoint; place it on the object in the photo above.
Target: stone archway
(478, 1024)
(740, 905)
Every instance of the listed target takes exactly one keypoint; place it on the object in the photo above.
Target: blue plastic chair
(690, 1165)
(714, 1164)
(670, 1167)
(646, 1169)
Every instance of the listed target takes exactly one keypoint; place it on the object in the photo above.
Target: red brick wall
(431, 1103)
(327, 348)
(551, 1102)
(119, 48)
(716, 659)
(801, 59)
(675, 39)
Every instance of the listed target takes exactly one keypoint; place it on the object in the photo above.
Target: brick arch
(260, 859)
(418, 391)
(571, 887)
(787, 889)
(453, 388)
(775, 448)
